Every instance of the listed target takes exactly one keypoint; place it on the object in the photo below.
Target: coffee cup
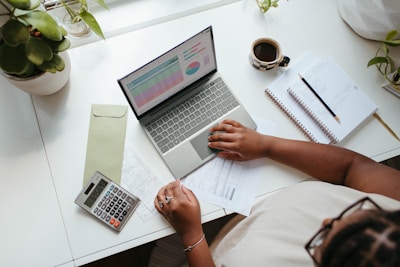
(266, 54)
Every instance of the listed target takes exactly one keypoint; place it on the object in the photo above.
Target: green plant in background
(265, 5)
(384, 63)
(82, 13)
(30, 39)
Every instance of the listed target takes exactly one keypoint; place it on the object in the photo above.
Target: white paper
(231, 185)
(138, 179)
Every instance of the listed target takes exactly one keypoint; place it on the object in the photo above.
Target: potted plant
(31, 45)
(386, 65)
(79, 20)
(265, 5)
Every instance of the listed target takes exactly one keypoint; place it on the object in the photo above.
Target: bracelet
(190, 248)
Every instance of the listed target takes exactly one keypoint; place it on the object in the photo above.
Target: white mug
(266, 54)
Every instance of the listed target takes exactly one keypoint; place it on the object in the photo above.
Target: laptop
(178, 97)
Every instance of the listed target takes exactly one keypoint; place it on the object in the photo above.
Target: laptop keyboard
(176, 125)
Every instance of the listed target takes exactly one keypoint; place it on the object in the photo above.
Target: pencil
(320, 99)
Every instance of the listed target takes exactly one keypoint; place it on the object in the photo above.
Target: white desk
(31, 228)
(298, 25)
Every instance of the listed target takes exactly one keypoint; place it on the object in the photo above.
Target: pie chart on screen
(193, 68)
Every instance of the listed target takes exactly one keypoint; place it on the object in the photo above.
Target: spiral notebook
(334, 87)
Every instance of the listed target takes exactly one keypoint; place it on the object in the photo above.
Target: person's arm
(326, 162)
(183, 213)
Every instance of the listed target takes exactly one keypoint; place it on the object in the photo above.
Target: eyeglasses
(319, 237)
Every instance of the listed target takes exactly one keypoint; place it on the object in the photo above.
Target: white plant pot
(46, 83)
(371, 19)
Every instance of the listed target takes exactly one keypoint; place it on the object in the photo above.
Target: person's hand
(182, 210)
(236, 141)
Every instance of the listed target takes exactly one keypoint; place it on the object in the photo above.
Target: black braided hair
(357, 244)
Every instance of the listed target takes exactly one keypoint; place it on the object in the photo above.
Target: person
(364, 234)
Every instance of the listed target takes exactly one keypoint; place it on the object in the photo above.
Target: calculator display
(95, 193)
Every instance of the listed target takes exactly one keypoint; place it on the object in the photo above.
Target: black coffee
(265, 52)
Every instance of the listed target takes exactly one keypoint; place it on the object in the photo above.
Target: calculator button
(123, 196)
(108, 218)
(112, 221)
(130, 200)
(121, 218)
(116, 224)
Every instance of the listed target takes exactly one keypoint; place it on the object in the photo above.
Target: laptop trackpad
(200, 144)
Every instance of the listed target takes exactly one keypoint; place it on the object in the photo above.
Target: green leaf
(45, 24)
(53, 65)
(390, 35)
(15, 33)
(391, 64)
(38, 51)
(101, 3)
(63, 45)
(13, 60)
(390, 38)
(25, 4)
(265, 5)
(90, 20)
(377, 60)
(63, 31)
(59, 46)
(58, 62)
(392, 42)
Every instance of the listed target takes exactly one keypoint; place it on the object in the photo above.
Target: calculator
(107, 201)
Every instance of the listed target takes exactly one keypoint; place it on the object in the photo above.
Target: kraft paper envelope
(106, 139)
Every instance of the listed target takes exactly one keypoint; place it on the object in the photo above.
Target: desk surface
(29, 204)
(63, 118)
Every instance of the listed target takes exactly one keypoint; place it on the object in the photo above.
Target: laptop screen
(170, 73)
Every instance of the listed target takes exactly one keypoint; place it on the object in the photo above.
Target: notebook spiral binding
(309, 112)
(291, 116)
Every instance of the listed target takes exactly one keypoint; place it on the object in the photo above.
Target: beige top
(278, 227)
